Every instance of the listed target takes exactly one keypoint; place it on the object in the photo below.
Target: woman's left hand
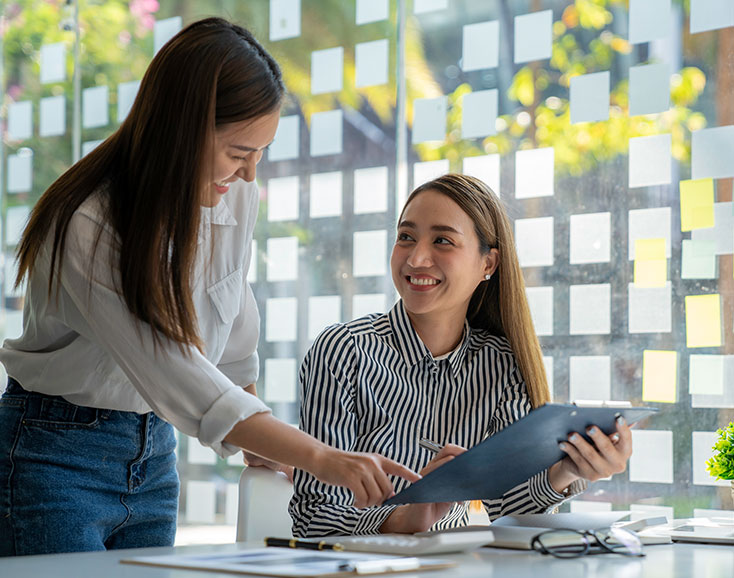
(607, 455)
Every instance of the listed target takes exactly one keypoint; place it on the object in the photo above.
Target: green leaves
(721, 465)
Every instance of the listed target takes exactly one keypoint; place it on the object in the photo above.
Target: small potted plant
(721, 465)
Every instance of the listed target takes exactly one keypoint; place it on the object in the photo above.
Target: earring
(488, 276)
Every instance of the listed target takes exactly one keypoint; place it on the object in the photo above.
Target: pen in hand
(427, 444)
(293, 543)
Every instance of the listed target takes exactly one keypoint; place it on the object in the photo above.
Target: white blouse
(87, 347)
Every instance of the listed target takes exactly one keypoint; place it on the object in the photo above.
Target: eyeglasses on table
(563, 543)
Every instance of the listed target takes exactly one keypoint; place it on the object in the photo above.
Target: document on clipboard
(513, 455)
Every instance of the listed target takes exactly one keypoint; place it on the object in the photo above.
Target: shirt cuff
(372, 519)
(546, 497)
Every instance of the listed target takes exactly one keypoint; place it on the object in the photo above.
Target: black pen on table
(306, 544)
(427, 444)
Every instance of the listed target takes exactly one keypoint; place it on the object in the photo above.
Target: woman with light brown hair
(454, 361)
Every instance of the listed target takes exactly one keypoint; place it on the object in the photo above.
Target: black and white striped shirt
(371, 385)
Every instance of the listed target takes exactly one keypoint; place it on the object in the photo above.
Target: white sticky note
(371, 11)
(13, 324)
(652, 458)
(642, 511)
(429, 119)
(534, 240)
(585, 506)
(548, 366)
(282, 259)
(479, 114)
(649, 20)
(698, 260)
(726, 398)
(53, 63)
(702, 443)
(281, 318)
(650, 309)
(286, 141)
(367, 304)
(326, 133)
(429, 170)
(370, 190)
(650, 160)
(540, 301)
(164, 30)
(369, 254)
(326, 194)
(327, 70)
(590, 307)
(20, 120)
(323, 311)
(371, 63)
(423, 6)
(711, 15)
(95, 111)
(283, 197)
(52, 116)
(201, 500)
(721, 232)
(16, 219)
(534, 173)
(89, 145)
(252, 270)
(280, 380)
(712, 153)
(649, 224)
(126, 93)
(649, 88)
(533, 36)
(285, 19)
(199, 454)
(706, 374)
(480, 45)
(589, 97)
(486, 168)
(20, 171)
(590, 238)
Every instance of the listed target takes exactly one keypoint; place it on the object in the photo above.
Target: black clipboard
(518, 452)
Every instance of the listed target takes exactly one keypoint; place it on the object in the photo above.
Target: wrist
(560, 478)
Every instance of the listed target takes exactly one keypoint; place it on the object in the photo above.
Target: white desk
(669, 561)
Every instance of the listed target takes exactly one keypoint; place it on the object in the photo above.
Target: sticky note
(698, 260)
(282, 259)
(649, 224)
(696, 204)
(20, 171)
(20, 120)
(52, 116)
(89, 145)
(534, 241)
(652, 458)
(650, 160)
(589, 97)
(285, 19)
(480, 45)
(590, 238)
(534, 173)
(325, 197)
(281, 315)
(326, 133)
(659, 376)
(287, 139)
(651, 266)
(371, 11)
(95, 111)
(711, 15)
(164, 30)
(199, 454)
(429, 170)
(703, 320)
(252, 270)
(723, 400)
(53, 63)
(327, 70)
(479, 114)
(486, 168)
(126, 93)
(649, 88)
(533, 36)
(721, 233)
(706, 374)
(280, 380)
(423, 6)
(540, 301)
(590, 309)
(323, 311)
(649, 309)
(371, 63)
(712, 153)
(649, 20)
(16, 219)
(370, 190)
(368, 303)
(200, 502)
(429, 119)
(702, 449)
(590, 377)
(283, 198)
(369, 254)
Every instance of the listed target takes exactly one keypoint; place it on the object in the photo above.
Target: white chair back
(263, 505)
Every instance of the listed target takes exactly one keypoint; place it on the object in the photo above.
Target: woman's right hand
(413, 518)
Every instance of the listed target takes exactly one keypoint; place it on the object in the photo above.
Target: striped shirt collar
(411, 346)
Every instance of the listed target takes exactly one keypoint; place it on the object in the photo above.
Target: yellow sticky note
(660, 376)
(703, 320)
(651, 265)
(696, 204)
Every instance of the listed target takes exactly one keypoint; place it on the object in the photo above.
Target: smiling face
(436, 262)
(238, 147)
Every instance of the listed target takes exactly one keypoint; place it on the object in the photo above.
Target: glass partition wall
(605, 126)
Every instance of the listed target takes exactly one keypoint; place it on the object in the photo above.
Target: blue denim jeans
(76, 478)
